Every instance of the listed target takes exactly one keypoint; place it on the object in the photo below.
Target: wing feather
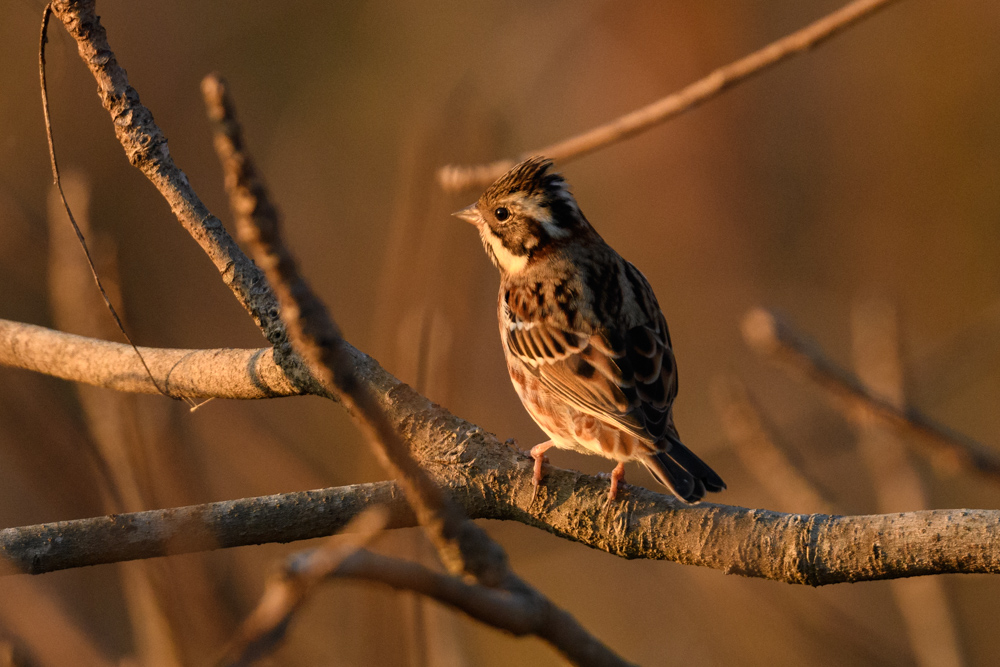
(625, 378)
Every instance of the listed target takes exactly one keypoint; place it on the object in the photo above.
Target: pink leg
(617, 475)
(538, 453)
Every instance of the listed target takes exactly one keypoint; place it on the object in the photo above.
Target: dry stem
(455, 178)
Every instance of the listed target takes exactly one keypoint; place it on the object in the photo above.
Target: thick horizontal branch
(768, 335)
(219, 373)
(813, 549)
(454, 178)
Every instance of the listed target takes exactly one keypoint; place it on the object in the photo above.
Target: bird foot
(538, 453)
(617, 479)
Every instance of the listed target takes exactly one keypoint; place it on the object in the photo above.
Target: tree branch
(811, 549)
(454, 178)
(524, 612)
(121, 537)
(771, 337)
(219, 373)
(490, 480)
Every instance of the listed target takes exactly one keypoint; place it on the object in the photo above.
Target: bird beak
(470, 214)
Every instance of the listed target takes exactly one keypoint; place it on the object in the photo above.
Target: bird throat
(502, 257)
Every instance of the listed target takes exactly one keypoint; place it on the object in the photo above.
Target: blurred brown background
(870, 168)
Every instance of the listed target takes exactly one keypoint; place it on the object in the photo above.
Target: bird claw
(538, 453)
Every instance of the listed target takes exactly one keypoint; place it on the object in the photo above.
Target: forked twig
(455, 177)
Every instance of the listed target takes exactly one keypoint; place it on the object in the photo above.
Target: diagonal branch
(455, 178)
(146, 149)
(463, 546)
(771, 337)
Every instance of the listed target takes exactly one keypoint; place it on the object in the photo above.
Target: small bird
(587, 347)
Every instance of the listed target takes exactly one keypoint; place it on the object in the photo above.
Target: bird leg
(538, 453)
(617, 475)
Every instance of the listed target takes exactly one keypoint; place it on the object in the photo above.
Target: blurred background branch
(457, 178)
(770, 336)
(923, 603)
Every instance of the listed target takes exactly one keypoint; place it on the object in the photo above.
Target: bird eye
(501, 213)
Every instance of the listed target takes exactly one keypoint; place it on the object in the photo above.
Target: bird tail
(680, 470)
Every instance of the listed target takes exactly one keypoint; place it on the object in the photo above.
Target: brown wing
(626, 378)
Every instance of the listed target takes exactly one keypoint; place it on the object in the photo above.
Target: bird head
(526, 213)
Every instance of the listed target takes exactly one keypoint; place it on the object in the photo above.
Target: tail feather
(680, 470)
(680, 482)
(690, 462)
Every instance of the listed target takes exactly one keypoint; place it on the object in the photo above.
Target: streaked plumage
(587, 347)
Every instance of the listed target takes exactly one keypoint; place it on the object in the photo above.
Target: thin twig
(455, 177)
(43, 38)
(316, 338)
(520, 612)
(768, 335)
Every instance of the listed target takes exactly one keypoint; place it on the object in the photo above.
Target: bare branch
(454, 177)
(523, 612)
(769, 336)
(490, 480)
(810, 549)
(120, 537)
(219, 373)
